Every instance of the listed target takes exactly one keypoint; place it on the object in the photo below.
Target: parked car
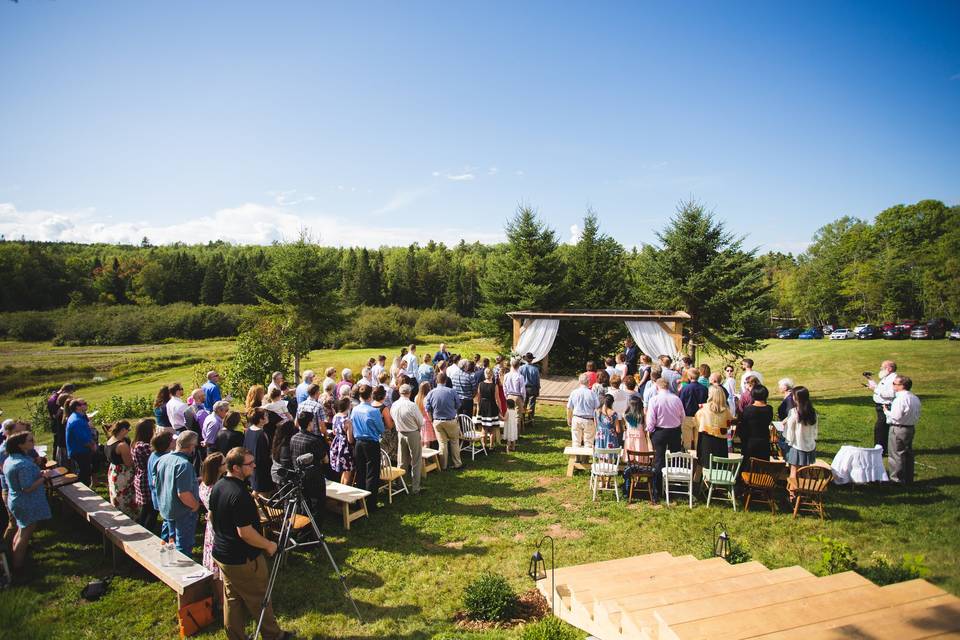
(827, 329)
(886, 326)
(955, 333)
(843, 334)
(908, 324)
(937, 327)
(860, 327)
(869, 332)
(895, 333)
(788, 334)
(919, 332)
(813, 333)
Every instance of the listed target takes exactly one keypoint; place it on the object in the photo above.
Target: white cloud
(402, 199)
(492, 171)
(575, 233)
(463, 175)
(249, 223)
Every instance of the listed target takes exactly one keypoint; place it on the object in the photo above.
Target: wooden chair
(811, 487)
(390, 474)
(604, 469)
(678, 472)
(272, 520)
(470, 437)
(722, 474)
(641, 468)
(760, 482)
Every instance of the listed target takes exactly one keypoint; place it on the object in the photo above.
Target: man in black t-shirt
(238, 546)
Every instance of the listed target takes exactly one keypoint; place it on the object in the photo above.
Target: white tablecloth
(859, 465)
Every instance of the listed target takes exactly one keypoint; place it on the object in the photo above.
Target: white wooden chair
(605, 470)
(390, 474)
(679, 472)
(470, 437)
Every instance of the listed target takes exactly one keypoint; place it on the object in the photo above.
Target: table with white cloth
(859, 465)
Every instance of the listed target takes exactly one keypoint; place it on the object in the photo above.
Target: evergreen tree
(211, 291)
(703, 270)
(526, 274)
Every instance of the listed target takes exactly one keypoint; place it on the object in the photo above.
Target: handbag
(195, 616)
(95, 590)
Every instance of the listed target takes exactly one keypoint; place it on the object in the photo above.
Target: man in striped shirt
(465, 384)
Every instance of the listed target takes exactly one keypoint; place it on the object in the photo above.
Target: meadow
(407, 566)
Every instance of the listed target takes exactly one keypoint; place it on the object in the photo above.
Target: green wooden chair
(722, 474)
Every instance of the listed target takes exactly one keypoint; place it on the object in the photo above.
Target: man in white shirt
(667, 373)
(581, 414)
(275, 381)
(408, 420)
(747, 365)
(378, 368)
(883, 394)
(902, 415)
(411, 360)
(176, 408)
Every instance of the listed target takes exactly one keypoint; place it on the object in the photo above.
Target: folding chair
(470, 436)
(389, 474)
(679, 472)
(604, 468)
(722, 474)
(760, 482)
(640, 468)
(811, 487)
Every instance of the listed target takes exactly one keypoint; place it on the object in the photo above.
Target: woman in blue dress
(26, 498)
(609, 425)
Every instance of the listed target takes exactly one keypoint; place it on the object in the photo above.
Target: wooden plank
(581, 590)
(638, 612)
(683, 620)
(566, 574)
(905, 621)
(805, 608)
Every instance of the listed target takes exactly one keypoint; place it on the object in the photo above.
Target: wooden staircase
(663, 597)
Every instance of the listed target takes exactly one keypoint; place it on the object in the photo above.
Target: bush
(490, 598)
(36, 412)
(438, 322)
(836, 556)
(550, 628)
(259, 353)
(883, 571)
(379, 327)
(29, 326)
(120, 408)
(738, 553)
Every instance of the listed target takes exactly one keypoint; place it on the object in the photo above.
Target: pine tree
(703, 270)
(526, 274)
(211, 291)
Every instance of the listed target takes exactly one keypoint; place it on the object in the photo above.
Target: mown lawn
(409, 564)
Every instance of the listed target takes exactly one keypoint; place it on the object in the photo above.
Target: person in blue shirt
(442, 355)
(178, 492)
(304, 387)
(442, 403)
(81, 440)
(425, 372)
(26, 499)
(531, 376)
(465, 384)
(368, 426)
(160, 443)
(211, 391)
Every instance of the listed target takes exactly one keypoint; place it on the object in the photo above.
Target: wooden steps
(662, 597)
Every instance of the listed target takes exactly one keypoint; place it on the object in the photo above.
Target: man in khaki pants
(441, 403)
(238, 547)
(581, 413)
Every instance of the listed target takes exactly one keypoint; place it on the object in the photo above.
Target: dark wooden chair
(760, 481)
(810, 488)
(272, 520)
(641, 468)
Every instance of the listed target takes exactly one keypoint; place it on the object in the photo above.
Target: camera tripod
(290, 497)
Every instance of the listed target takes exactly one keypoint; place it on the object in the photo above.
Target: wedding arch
(655, 332)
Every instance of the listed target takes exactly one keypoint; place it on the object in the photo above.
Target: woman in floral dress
(120, 474)
(341, 449)
(608, 425)
(142, 436)
(214, 466)
(427, 435)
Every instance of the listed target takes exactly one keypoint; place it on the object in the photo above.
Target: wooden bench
(574, 453)
(431, 460)
(191, 581)
(344, 496)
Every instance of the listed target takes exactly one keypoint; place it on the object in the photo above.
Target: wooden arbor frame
(671, 321)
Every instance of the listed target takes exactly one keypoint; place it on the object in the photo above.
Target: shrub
(490, 598)
(29, 326)
(836, 556)
(120, 408)
(883, 571)
(438, 322)
(373, 327)
(35, 410)
(259, 353)
(550, 628)
(738, 553)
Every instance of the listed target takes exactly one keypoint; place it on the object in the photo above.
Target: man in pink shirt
(664, 416)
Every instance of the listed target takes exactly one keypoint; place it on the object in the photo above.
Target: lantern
(721, 541)
(538, 569)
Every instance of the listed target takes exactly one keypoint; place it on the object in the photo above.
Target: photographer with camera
(238, 544)
(883, 395)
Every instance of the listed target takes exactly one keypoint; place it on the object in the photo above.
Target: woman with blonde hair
(254, 397)
(713, 421)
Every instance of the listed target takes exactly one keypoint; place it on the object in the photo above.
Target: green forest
(905, 263)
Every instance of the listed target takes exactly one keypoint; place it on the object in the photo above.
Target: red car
(886, 326)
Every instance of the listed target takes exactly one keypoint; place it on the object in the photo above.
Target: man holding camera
(883, 395)
(238, 544)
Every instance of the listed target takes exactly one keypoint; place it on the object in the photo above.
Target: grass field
(409, 564)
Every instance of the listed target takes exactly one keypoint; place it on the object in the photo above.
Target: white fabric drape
(537, 337)
(651, 338)
(859, 465)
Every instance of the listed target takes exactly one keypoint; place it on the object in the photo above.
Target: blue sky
(386, 123)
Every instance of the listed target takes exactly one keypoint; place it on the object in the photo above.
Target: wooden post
(545, 364)
(516, 332)
(678, 335)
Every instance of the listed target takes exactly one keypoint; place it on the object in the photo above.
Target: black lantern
(721, 542)
(538, 570)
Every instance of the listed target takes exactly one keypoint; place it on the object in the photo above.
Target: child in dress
(510, 425)
(213, 468)
(341, 449)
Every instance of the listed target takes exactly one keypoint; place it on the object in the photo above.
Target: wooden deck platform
(661, 597)
(556, 389)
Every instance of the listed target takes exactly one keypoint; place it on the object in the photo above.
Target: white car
(843, 334)
(860, 327)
